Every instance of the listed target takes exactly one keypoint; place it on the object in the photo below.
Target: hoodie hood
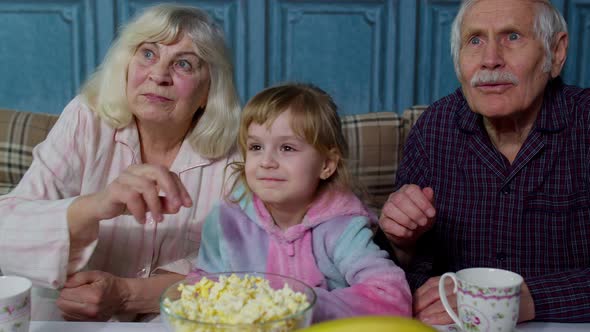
(329, 205)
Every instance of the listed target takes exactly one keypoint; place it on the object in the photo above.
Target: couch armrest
(20, 132)
(376, 141)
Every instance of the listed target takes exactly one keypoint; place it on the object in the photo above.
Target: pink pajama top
(82, 155)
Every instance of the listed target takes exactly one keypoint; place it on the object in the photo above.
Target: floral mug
(15, 304)
(487, 299)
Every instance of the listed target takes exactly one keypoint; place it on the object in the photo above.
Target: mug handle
(443, 296)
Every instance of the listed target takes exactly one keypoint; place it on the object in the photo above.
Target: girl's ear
(330, 164)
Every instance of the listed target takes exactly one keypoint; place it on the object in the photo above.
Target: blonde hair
(314, 117)
(214, 134)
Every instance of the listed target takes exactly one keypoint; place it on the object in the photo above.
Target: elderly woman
(115, 196)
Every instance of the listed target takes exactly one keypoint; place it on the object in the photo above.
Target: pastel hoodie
(331, 250)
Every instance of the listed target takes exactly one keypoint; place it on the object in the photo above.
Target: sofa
(375, 141)
(19, 133)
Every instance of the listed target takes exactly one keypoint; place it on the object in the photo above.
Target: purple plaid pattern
(531, 217)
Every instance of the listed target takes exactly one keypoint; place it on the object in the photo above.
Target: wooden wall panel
(371, 55)
(47, 50)
(345, 47)
(577, 68)
(436, 75)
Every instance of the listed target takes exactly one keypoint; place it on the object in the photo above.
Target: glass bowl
(298, 320)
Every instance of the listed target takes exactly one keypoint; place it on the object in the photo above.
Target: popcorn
(235, 300)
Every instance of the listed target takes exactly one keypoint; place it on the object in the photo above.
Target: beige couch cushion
(20, 132)
(376, 142)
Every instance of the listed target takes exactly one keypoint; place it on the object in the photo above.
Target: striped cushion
(375, 140)
(376, 143)
(19, 133)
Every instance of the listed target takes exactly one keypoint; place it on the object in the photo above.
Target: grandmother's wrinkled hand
(407, 214)
(137, 191)
(92, 296)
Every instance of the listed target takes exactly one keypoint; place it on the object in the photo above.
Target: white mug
(487, 299)
(15, 304)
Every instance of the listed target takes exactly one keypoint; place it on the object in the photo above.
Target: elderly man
(497, 174)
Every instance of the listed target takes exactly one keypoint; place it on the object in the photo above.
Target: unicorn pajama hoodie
(331, 250)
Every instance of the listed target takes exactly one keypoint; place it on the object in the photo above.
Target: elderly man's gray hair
(548, 22)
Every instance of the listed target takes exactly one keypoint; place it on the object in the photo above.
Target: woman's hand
(97, 295)
(136, 191)
(92, 296)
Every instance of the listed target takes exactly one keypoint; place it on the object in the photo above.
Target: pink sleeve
(374, 284)
(388, 295)
(34, 236)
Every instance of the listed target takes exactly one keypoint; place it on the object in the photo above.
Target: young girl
(293, 213)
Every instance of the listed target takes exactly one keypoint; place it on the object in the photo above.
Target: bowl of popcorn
(238, 301)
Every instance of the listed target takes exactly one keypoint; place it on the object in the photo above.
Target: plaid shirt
(531, 217)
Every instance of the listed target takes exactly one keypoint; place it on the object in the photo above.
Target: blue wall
(371, 55)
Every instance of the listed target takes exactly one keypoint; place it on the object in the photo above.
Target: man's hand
(407, 214)
(92, 296)
(429, 309)
(526, 310)
(427, 304)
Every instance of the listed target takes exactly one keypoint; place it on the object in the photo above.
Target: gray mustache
(493, 77)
